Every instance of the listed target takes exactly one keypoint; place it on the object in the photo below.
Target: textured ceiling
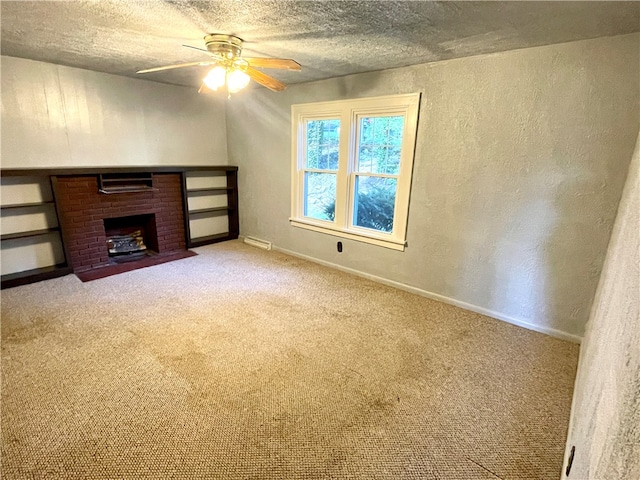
(328, 39)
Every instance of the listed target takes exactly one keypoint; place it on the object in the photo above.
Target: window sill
(381, 242)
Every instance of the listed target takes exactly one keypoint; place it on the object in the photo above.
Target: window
(351, 169)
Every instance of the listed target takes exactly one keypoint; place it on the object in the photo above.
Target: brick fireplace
(83, 211)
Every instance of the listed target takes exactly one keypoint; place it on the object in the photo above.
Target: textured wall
(605, 419)
(520, 161)
(60, 116)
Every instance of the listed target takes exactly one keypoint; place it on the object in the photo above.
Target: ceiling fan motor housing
(228, 46)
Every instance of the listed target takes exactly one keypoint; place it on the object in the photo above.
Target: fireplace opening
(131, 238)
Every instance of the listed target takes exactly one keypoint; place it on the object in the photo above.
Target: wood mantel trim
(21, 172)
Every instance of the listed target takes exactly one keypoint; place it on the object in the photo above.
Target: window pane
(396, 126)
(375, 200)
(393, 160)
(320, 195)
(323, 141)
(379, 144)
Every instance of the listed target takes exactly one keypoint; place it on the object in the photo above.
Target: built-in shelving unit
(30, 231)
(211, 206)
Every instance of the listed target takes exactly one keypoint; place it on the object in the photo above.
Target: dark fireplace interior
(131, 238)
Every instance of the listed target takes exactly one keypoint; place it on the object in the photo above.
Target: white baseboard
(441, 298)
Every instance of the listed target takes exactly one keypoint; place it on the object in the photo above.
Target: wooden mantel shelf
(23, 172)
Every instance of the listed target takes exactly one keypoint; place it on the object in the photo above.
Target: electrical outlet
(339, 247)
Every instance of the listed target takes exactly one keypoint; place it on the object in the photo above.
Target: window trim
(348, 112)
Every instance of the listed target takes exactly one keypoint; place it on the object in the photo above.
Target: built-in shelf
(209, 191)
(219, 237)
(230, 209)
(40, 244)
(30, 233)
(35, 275)
(209, 210)
(26, 205)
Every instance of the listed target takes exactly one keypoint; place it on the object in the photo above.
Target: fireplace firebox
(131, 237)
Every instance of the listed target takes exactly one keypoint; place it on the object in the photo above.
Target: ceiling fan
(230, 67)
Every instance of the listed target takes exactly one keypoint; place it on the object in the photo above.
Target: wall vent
(256, 242)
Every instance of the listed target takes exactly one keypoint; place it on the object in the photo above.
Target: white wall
(56, 116)
(605, 418)
(520, 162)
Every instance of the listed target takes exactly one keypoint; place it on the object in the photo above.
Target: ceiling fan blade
(204, 51)
(282, 63)
(179, 65)
(197, 48)
(265, 80)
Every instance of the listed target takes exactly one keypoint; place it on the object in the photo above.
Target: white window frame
(348, 112)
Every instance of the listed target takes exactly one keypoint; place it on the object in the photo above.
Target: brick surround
(82, 210)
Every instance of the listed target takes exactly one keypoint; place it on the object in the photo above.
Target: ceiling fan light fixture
(215, 78)
(228, 66)
(237, 80)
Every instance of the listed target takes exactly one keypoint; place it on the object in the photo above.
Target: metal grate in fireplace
(131, 238)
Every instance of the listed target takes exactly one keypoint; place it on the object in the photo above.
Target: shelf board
(200, 191)
(35, 275)
(26, 205)
(209, 210)
(31, 233)
(219, 237)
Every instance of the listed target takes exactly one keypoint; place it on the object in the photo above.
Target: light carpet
(244, 364)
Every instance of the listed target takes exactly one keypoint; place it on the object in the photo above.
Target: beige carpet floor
(245, 364)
